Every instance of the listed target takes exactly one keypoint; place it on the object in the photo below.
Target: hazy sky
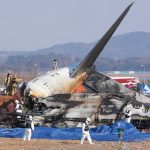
(35, 24)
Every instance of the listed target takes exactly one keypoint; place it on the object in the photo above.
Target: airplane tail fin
(89, 60)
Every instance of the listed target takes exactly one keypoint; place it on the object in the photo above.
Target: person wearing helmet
(29, 127)
(127, 114)
(14, 84)
(18, 110)
(7, 83)
(85, 132)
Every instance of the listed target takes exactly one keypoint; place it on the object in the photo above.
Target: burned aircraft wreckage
(104, 101)
(55, 100)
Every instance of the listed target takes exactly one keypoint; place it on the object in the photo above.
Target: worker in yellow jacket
(8, 83)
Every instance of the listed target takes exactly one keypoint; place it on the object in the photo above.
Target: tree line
(45, 62)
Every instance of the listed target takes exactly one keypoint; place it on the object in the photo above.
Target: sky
(27, 25)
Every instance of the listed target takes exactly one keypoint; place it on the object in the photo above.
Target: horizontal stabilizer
(89, 60)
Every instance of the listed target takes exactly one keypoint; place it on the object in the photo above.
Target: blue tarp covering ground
(100, 133)
(144, 88)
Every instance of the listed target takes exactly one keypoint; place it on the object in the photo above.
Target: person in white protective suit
(17, 107)
(85, 132)
(29, 127)
(128, 114)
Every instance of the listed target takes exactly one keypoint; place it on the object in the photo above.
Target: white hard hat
(88, 119)
(16, 101)
(128, 107)
(30, 117)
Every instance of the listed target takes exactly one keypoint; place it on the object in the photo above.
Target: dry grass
(34, 144)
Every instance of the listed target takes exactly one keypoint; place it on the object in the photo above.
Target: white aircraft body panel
(54, 82)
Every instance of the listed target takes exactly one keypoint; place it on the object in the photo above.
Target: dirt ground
(34, 144)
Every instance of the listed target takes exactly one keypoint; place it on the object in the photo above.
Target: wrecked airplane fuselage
(67, 110)
(104, 101)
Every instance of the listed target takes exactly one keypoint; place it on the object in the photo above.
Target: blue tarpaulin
(100, 133)
(144, 88)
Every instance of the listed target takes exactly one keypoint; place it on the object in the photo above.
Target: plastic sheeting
(100, 133)
(144, 88)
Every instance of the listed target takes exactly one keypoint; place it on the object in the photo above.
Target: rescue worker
(7, 83)
(85, 131)
(29, 127)
(18, 111)
(17, 107)
(14, 84)
(127, 114)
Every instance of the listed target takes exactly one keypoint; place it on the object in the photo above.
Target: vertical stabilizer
(89, 60)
